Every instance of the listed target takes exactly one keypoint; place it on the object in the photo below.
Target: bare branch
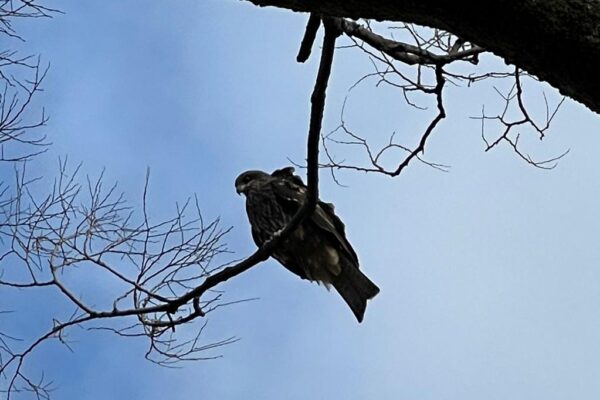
(514, 101)
(314, 21)
(419, 66)
(411, 54)
(20, 80)
(164, 272)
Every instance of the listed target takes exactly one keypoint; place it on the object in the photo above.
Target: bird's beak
(239, 189)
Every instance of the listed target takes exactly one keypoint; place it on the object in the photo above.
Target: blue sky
(489, 273)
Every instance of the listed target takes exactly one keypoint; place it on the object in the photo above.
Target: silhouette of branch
(163, 274)
(375, 157)
(419, 66)
(19, 9)
(18, 141)
(454, 50)
(20, 80)
(514, 101)
(312, 26)
(87, 227)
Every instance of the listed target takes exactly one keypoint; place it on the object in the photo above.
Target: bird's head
(248, 179)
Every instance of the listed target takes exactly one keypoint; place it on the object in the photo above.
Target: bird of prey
(317, 250)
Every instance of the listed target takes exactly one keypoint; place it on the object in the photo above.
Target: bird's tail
(355, 288)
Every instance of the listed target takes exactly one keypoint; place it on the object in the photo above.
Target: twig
(314, 21)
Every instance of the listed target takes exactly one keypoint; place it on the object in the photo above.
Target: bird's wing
(284, 172)
(288, 174)
(292, 196)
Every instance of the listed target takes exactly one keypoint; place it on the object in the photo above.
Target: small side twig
(310, 33)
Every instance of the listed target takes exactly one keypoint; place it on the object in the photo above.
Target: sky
(488, 273)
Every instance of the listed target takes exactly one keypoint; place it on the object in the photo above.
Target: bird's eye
(247, 179)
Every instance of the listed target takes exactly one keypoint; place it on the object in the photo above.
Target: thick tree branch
(404, 52)
(557, 41)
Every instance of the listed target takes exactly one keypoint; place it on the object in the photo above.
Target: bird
(317, 250)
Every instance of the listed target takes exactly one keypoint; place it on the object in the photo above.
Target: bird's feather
(317, 249)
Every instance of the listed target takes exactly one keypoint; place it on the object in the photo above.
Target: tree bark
(556, 40)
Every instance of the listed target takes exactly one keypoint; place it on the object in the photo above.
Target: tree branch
(310, 33)
(51, 235)
(404, 52)
(312, 195)
(556, 41)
